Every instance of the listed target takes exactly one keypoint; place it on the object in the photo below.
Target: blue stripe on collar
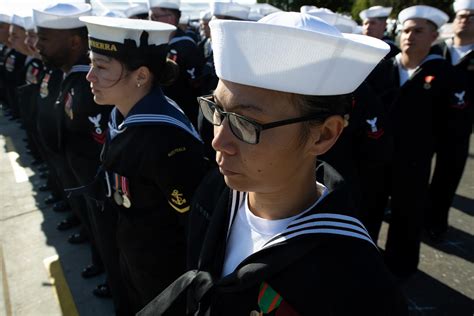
(80, 68)
(150, 119)
(181, 38)
(153, 109)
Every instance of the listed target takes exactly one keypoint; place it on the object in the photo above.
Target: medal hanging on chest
(428, 81)
(126, 196)
(122, 193)
(68, 103)
(44, 86)
(10, 63)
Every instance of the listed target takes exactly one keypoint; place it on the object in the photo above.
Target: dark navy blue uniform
(26, 98)
(14, 77)
(81, 134)
(452, 151)
(184, 91)
(4, 50)
(153, 161)
(329, 266)
(363, 146)
(418, 116)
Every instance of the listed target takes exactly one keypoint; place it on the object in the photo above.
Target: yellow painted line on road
(60, 286)
(6, 291)
(18, 171)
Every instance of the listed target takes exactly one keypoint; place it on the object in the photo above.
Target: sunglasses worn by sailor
(244, 128)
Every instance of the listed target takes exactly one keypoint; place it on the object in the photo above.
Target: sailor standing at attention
(451, 155)
(152, 160)
(266, 238)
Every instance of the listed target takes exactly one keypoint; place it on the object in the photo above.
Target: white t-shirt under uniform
(249, 233)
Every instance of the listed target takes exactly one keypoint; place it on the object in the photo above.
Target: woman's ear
(324, 136)
(143, 76)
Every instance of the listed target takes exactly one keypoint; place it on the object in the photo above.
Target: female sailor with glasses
(265, 237)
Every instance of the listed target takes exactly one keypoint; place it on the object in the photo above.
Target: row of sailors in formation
(413, 105)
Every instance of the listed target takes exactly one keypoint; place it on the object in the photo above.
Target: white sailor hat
(23, 18)
(459, 5)
(375, 12)
(293, 52)
(205, 15)
(165, 4)
(28, 22)
(431, 14)
(118, 36)
(230, 9)
(113, 14)
(136, 9)
(307, 8)
(343, 23)
(184, 19)
(61, 15)
(254, 16)
(5, 17)
(18, 19)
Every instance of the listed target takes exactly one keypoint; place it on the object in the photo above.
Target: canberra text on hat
(97, 44)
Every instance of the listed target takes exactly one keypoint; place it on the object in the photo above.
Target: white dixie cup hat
(293, 52)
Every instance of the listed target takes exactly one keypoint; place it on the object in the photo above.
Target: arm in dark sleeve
(180, 168)
(371, 143)
(90, 117)
(192, 61)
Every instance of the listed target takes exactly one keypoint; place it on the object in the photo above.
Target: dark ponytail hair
(154, 57)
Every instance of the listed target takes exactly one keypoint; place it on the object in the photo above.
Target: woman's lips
(225, 171)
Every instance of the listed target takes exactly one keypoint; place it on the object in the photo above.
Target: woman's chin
(235, 183)
(99, 100)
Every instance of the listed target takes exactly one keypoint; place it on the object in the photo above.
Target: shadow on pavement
(429, 297)
(457, 243)
(73, 258)
(464, 204)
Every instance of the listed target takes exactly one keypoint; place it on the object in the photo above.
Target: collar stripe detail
(321, 223)
(80, 68)
(157, 118)
(326, 223)
(308, 226)
(326, 216)
(181, 38)
(332, 231)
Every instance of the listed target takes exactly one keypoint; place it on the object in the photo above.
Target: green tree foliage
(294, 5)
(358, 6)
(444, 5)
(355, 6)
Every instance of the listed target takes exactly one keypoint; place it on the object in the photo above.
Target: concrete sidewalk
(40, 270)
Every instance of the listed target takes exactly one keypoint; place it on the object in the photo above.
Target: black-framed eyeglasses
(468, 17)
(244, 128)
